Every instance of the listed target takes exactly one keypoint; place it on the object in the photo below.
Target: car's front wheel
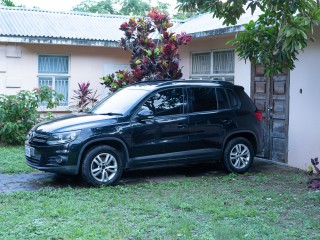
(238, 155)
(102, 165)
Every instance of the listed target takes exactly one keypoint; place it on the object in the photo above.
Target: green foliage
(102, 7)
(7, 3)
(18, 113)
(282, 30)
(128, 7)
(134, 7)
(10, 3)
(150, 60)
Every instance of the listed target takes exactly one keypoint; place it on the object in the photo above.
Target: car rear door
(210, 120)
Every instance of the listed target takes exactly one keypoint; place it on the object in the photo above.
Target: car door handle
(226, 122)
(182, 125)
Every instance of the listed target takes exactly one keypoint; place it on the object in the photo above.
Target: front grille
(37, 138)
(40, 138)
(33, 161)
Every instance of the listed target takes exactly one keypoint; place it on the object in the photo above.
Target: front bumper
(72, 170)
(56, 159)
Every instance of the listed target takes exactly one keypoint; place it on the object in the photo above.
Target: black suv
(149, 124)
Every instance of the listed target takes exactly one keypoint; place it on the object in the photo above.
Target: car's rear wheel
(238, 155)
(102, 166)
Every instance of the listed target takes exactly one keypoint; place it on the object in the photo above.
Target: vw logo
(31, 135)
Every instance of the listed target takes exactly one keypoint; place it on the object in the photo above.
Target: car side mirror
(145, 114)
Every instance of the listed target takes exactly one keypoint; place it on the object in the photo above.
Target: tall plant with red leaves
(84, 97)
(150, 59)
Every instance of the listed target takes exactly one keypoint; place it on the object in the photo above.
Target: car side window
(203, 99)
(167, 102)
(223, 102)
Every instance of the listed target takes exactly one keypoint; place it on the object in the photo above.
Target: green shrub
(18, 113)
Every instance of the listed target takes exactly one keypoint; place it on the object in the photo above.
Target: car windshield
(119, 102)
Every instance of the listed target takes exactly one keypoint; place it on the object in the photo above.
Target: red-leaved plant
(314, 183)
(84, 97)
(150, 59)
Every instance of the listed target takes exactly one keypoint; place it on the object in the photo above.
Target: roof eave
(219, 31)
(59, 41)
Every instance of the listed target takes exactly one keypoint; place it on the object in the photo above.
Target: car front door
(164, 135)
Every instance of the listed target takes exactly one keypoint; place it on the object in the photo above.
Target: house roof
(77, 28)
(205, 25)
(39, 26)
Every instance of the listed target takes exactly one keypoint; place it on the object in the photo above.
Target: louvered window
(223, 62)
(201, 63)
(53, 71)
(215, 65)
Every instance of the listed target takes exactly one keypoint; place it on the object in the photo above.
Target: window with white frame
(216, 65)
(53, 70)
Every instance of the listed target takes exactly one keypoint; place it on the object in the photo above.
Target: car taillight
(258, 115)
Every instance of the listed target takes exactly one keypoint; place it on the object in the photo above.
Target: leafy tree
(9, 3)
(134, 7)
(150, 60)
(103, 7)
(282, 30)
(163, 7)
(128, 7)
(185, 15)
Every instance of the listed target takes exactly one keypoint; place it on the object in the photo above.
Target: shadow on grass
(36, 180)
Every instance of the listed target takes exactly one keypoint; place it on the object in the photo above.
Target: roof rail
(169, 81)
(208, 81)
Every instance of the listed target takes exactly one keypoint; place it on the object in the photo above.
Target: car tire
(238, 155)
(102, 166)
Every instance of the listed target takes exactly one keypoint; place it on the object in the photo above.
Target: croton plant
(151, 59)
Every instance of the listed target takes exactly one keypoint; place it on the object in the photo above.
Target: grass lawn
(271, 204)
(12, 160)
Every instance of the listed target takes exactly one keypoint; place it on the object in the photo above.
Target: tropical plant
(150, 59)
(84, 97)
(18, 113)
(282, 30)
(314, 183)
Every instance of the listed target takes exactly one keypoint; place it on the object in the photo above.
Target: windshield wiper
(111, 114)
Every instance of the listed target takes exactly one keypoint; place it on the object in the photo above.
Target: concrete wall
(19, 65)
(304, 115)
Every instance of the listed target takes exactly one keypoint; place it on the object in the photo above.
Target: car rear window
(246, 102)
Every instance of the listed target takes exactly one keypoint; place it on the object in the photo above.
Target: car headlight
(63, 137)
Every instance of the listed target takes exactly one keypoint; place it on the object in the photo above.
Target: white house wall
(304, 128)
(20, 72)
(242, 74)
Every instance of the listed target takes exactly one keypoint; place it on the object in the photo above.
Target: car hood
(74, 122)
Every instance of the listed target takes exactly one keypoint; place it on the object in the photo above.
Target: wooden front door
(271, 96)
